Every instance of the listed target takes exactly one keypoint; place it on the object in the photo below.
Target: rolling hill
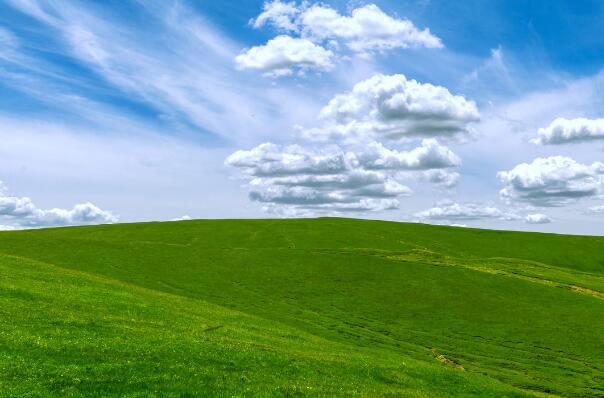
(300, 307)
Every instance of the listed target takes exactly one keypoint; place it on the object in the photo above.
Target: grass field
(310, 307)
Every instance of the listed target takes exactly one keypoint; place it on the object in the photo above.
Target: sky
(485, 114)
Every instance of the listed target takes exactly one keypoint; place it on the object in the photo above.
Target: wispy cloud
(183, 67)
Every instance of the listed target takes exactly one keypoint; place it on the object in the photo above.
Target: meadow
(299, 307)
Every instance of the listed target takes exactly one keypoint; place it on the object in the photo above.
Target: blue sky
(477, 113)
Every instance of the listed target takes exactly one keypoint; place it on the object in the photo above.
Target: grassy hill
(311, 307)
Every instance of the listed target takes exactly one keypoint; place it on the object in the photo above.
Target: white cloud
(367, 29)
(361, 206)
(8, 41)
(186, 217)
(359, 173)
(597, 209)
(186, 76)
(283, 54)
(465, 212)
(430, 155)
(331, 179)
(21, 212)
(537, 218)
(279, 14)
(562, 131)
(83, 213)
(310, 197)
(445, 177)
(393, 107)
(314, 180)
(8, 228)
(273, 160)
(552, 181)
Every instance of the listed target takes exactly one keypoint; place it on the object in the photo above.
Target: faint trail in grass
(496, 266)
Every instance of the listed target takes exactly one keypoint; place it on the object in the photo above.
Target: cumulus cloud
(272, 160)
(331, 179)
(362, 206)
(279, 14)
(430, 155)
(366, 29)
(393, 107)
(537, 218)
(444, 177)
(21, 212)
(465, 212)
(284, 54)
(563, 131)
(307, 179)
(352, 170)
(552, 181)
(83, 213)
(314, 197)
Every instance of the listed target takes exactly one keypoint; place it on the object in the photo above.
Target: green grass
(323, 307)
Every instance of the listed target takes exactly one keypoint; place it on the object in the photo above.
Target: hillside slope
(312, 306)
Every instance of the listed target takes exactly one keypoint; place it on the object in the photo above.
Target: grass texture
(309, 307)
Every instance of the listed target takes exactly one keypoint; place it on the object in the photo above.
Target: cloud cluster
(394, 107)
(271, 160)
(283, 54)
(445, 177)
(296, 179)
(552, 181)
(558, 180)
(465, 212)
(563, 131)
(366, 30)
(430, 155)
(537, 218)
(451, 212)
(343, 165)
(21, 212)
